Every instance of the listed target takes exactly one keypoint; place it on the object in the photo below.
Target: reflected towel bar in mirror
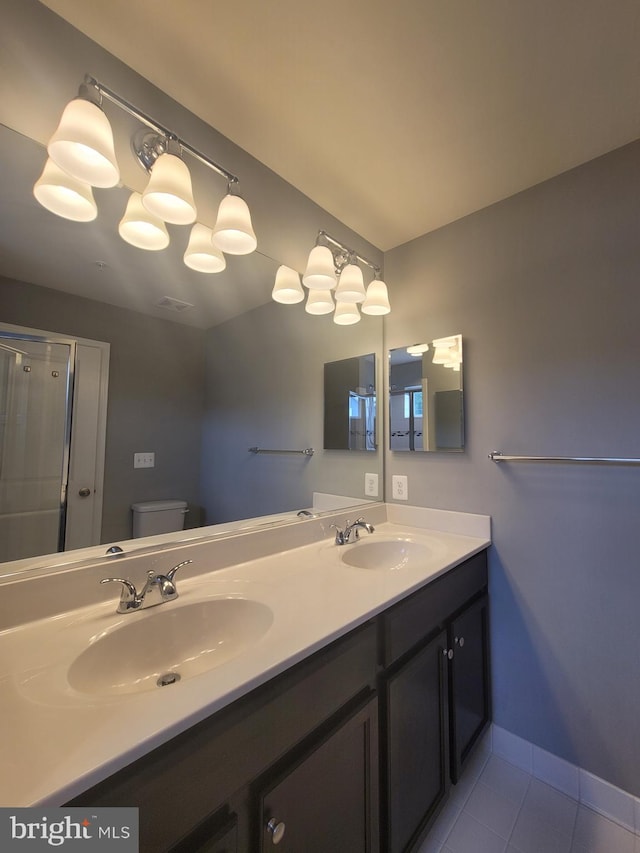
(308, 451)
(497, 456)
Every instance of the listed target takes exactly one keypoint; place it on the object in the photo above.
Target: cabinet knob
(276, 829)
(84, 493)
(448, 653)
(460, 641)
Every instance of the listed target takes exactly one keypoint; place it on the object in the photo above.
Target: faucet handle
(339, 534)
(171, 572)
(128, 597)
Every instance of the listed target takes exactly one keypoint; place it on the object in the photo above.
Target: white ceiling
(396, 117)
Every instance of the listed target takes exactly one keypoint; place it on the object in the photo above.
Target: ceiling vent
(172, 304)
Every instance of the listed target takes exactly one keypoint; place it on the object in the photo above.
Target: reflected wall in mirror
(197, 386)
(350, 403)
(426, 403)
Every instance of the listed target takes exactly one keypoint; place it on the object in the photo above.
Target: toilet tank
(153, 517)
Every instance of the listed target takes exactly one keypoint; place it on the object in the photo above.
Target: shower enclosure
(41, 401)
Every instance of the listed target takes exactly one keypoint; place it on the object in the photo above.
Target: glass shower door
(36, 379)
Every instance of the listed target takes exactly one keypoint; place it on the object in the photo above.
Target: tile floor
(498, 808)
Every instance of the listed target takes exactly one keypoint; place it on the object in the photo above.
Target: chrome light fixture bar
(335, 284)
(82, 149)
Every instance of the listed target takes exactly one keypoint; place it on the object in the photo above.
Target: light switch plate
(144, 460)
(371, 485)
(399, 487)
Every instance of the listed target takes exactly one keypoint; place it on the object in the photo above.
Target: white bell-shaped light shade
(442, 354)
(63, 195)
(169, 195)
(319, 302)
(351, 285)
(416, 350)
(233, 232)
(82, 144)
(201, 254)
(320, 272)
(377, 300)
(347, 314)
(287, 288)
(141, 228)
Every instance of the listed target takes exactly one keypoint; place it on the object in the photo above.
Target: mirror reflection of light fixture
(201, 254)
(319, 302)
(64, 195)
(447, 351)
(140, 228)
(417, 350)
(82, 149)
(82, 144)
(346, 314)
(331, 263)
(287, 289)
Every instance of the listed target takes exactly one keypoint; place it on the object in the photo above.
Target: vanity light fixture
(82, 156)
(82, 144)
(334, 271)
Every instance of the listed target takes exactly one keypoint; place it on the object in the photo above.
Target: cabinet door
(415, 755)
(469, 681)
(214, 835)
(326, 800)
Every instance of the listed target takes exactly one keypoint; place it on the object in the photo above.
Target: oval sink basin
(168, 643)
(385, 554)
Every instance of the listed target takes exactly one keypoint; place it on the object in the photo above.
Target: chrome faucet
(157, 589)
(351, 532)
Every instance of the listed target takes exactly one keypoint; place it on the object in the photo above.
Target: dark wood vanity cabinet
(434, 694)
(352, 750)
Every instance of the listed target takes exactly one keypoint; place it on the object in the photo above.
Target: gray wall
(265, 377)
(544, 288)
(156, 395)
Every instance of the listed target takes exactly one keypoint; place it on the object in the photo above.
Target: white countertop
(58, 741)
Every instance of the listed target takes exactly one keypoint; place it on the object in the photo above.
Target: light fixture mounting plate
(147, 145)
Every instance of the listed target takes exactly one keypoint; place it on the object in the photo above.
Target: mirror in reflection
(426, 405)
(201, 368)
(350, 403)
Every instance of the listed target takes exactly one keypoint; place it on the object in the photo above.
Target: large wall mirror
(426, 404)
(197, 387)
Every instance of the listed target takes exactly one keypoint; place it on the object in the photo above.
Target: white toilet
(153, 517)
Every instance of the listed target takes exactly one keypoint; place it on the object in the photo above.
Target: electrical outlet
(371, 485)
(144, 460)
(399, 487)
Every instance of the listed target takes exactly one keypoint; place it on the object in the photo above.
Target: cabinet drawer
(410, 621)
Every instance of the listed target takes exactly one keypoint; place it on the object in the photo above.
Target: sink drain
(168, 678)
